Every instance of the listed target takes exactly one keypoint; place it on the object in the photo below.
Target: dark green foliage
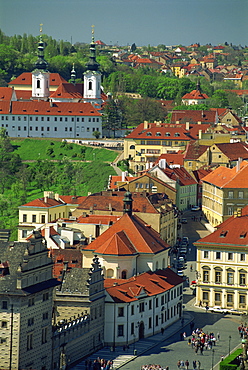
(227, 364)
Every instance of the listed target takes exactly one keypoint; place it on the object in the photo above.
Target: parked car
(180, 273)
(185, 239)
(232, 311)
(184, 245)
(181, 258)
(184, 221)
(218, 309)
(195, 208)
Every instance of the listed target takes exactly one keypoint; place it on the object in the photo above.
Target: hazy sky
(124, 22)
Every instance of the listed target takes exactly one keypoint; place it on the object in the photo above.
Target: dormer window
(223, 233)
(177, 134)
(243, 234)
(148, 134)
(158, 133)
(167, 134)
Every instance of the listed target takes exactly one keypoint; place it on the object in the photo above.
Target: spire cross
(41, 24)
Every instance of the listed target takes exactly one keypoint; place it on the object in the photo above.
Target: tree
(96, 134)
(111, 117)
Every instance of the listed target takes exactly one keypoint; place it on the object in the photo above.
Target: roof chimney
(145, 125)
(187, 126)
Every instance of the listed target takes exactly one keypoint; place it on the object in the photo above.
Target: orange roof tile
(224, 177)
(26, 79)
(67, 90)
(44, 203)
(132, 236)
(97, 219)
(151, 283)
(5, 93)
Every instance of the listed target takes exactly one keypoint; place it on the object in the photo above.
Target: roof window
(243, 234)
(167, 134)
(158, 133)
(223, 233)
(149, 134)
(177, 134)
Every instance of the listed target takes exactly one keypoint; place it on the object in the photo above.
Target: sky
(123, 22)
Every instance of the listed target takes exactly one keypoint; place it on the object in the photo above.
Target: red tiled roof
(194, 116)
(23, 94)
(200, 173)
(115, 201)
(194, 150)
(233, 232)
(181, 175)
(67, 90)
(42, 202)
(234, 151)
(97, 219)
(26, 79)
(58, 108)
(5, 93)
(114, 180)
(71, 199)
(152, 178)
(195, 94)
(224, 177)
(172, 159)
(151, 282)
(129, 235)
(159, 132)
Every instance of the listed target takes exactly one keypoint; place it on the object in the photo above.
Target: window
(24, 233)
(217, 297)
(229, 299)
(150, 323)
(55, 128)
(55, 119)
(240, 195)
(120, 331)
(30, 118)
(19, 128)
(162, 300)
(29, 341)
(230, 194)
(36, 119)
(205, 276)
(205, 296)
(230, 211)
(4, 324)
(45, 316)
(42, 128)
(31, 321)
(4, 305)
(66, 128)
(156, 320)
(48, 118)
(242, 257)
(24, 218)
(205, 254)
(13, 118)
(120, 311)
(31, 301)
(70, 128)
(242, 278)
(242, 299)
(230, 256)
(150, 304)
(218, 277)
(132, 328)
(132, 310)
(229, 277)
(61, 119)
(33, 218)
(89, 120)
(88, 129)
(30, 128)
(66, 119)
(42, 118)
(45, 296)
(48, 128)
(141, 307)
(3, 340)
(217, 255)
(36, 128)
(156, 302)
(43, 219)
(44, 335)
(25, 128)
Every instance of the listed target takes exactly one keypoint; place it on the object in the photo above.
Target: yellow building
(222, 265)
(148, 141)
(224, 192)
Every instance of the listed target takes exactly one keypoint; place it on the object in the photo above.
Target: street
(168, 353)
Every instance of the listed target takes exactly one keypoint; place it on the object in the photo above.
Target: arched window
(163, 263)
(38, 84)
(132, 146)
(90, 85)
(110, 273)
(124, 274)
(157, 265)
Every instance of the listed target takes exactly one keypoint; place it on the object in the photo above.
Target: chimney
(145, 125)
(162, 163)
(200, 134)
(51, 103)
(123, 176)
(187, 126)
(238, 164)
(56, 196)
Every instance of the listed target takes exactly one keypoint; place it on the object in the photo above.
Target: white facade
(25, 125)
(92, 87)
(40, 84)
(126, 323)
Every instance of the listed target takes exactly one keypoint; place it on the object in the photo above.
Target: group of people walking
(201, 341)
(181, 365)
(98, 364)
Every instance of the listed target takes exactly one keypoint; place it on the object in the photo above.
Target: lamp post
(230, 344)
(212, 359)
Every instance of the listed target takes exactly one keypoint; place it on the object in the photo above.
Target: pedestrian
(162, 331)
(194, 364)
(222, 358)
(184, 335)
(181, 336)
(200, 303)
(218, 336)
(178, 364)
(167, 368)
(191, 268)
(182, 321)
(198, 365)
(182, 364)
(187, 364)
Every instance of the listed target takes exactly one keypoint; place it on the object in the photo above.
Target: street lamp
(212, 359)
(230, 344)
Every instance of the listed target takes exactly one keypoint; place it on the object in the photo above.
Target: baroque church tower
(40, 75)
(92, 78)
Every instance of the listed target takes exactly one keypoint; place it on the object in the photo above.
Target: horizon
(143, 22)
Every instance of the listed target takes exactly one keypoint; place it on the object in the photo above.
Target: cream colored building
(222, 273)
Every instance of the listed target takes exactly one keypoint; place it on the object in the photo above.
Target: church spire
(92, 64)
(73, 75)
(198, 85)
(41, 63)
